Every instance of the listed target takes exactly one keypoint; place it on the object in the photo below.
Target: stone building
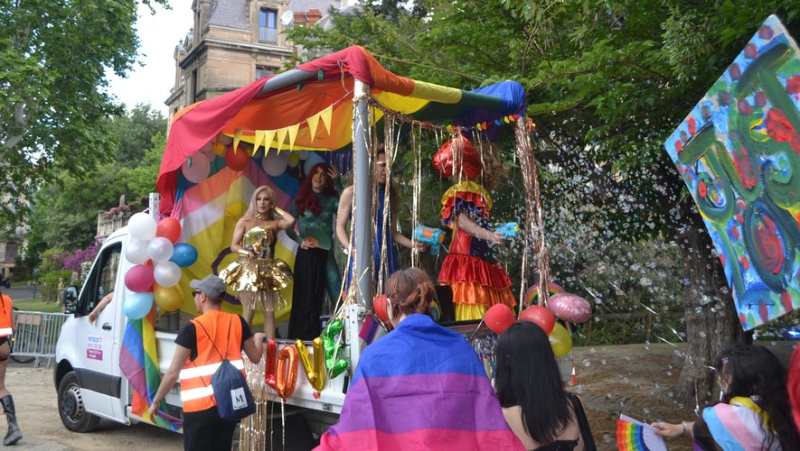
(234, 42)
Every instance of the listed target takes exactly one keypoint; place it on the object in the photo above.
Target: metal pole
(362, 221)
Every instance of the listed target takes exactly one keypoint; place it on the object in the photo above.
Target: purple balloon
(139, 279)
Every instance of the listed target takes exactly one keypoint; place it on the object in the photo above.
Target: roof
(230, 13)
(307, 5)
(290, 110)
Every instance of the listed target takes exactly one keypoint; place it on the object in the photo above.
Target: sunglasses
(195, 292)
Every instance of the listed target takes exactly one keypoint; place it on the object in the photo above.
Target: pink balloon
(139, 279)
(570, 307)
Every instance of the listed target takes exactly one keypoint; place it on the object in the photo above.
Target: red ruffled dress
(477, 280)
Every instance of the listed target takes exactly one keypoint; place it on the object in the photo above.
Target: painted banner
(737, 152)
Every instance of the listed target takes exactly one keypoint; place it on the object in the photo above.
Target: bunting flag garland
(138, 361)
(633, 435)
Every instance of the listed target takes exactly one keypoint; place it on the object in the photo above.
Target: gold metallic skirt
(258, 280)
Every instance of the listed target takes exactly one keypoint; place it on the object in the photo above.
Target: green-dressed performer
(315, 269)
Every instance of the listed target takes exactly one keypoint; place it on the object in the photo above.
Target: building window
(262, 71)
(268, 27)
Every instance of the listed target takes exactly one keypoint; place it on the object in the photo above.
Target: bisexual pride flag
(420, 387)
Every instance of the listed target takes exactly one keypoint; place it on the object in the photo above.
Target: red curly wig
(306, 198)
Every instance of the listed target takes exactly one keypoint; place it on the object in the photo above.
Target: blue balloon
(138, 305)
(312, 160)
(183, 255)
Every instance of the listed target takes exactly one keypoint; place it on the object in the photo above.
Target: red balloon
(499, 318)
(170, 229)
(379, 305)
(540, 316)
(139, 279)
(238, 160)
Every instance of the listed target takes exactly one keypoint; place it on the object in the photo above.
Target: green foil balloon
(333, 349)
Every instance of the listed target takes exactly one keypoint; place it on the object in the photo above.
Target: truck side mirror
(70, 299)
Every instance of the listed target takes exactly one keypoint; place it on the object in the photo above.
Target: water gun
(509, 229)
(434, 237)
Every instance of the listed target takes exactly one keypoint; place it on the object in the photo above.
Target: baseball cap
(211, 285)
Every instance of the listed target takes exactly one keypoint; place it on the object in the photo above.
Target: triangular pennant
(269, 136)
(237, 136)
(292, 135)
(313, 121)
(259, 140)
(281, 138)
(326, 115)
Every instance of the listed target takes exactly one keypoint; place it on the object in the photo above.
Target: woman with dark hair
(535, 405)
(315, 268)
(422, 386)
(753, 412)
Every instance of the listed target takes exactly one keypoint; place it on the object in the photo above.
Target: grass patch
(38, 306)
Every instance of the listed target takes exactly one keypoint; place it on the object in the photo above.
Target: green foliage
(65, 210)
(54, 103)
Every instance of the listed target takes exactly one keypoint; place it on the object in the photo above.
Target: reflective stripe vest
(224, 330)
(5, 316)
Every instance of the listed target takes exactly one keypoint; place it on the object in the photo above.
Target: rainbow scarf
(138, 361)
(420, 387)
(633, 435)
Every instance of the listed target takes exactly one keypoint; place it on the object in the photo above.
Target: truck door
(99, 344)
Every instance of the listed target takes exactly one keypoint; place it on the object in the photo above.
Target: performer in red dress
(477, 280)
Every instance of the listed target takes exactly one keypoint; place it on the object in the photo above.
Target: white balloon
(159, 249)
(167, 274)
(142, 226)
(199, 170)
(312, 160)
(275, 164)
(136, 251)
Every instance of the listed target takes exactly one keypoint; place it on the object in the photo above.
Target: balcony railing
(268, 35)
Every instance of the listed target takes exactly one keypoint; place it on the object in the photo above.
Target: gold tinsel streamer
(533, 211)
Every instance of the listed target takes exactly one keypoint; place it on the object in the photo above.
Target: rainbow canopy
(310, 108)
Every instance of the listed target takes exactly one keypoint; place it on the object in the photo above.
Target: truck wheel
(70, 406)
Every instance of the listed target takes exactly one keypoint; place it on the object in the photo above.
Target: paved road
(21, 293)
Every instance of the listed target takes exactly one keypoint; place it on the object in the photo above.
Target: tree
(55, 57)
(607, 82)
(65, 210)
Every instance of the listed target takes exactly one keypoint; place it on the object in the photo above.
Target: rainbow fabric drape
(139, 363)
(420, 387)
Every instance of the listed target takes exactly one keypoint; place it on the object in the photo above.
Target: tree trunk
(712, 324)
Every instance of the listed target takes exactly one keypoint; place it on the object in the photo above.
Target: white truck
(88, 377)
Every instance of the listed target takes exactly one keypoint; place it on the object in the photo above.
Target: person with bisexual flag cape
(753, 412)
(420, 387)
(477, 280)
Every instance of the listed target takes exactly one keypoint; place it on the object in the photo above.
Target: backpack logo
(238, 398)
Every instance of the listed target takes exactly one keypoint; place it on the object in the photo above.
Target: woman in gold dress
(256, 276)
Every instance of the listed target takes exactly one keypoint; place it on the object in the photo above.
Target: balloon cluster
(158, 259)
(564, 306)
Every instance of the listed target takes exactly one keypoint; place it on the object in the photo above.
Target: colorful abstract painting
(737, 152)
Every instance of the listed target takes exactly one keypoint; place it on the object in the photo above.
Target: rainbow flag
(634, 435)
(420, 387)
(138, 361)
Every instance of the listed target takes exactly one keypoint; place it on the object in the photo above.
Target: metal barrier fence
(37, 334)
